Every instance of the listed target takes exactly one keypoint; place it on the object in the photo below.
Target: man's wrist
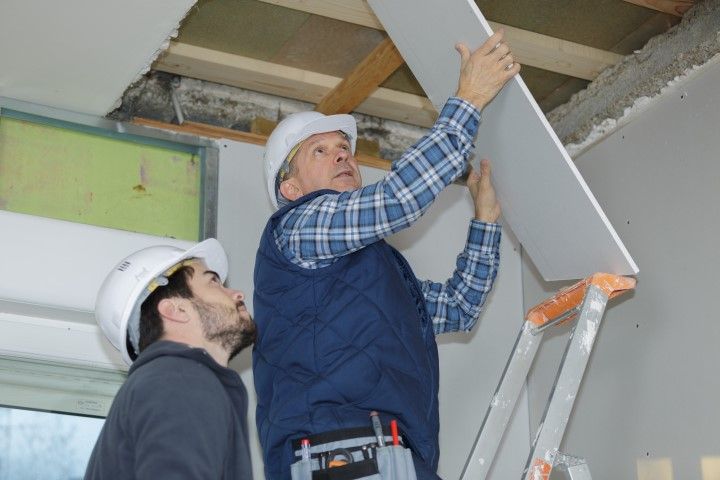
(478, 102)
(485, 217)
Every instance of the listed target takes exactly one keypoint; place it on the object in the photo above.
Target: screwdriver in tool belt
(305, 448)
(377, 428)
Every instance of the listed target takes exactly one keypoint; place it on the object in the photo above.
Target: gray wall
(648, 406)
(471, 364)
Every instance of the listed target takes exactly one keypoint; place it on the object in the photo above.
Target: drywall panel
(81, 55)
(471, 364)
(648, 408)
(544, 199)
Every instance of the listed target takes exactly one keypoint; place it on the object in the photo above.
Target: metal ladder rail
(585, 300)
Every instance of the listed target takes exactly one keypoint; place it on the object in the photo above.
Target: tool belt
(351, 453)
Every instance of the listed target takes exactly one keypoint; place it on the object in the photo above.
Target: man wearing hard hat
(344, 326)
(181, 413)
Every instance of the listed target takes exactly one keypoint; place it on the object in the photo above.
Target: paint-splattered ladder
(586, 301)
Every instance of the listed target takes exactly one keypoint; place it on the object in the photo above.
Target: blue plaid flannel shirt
(316, 233)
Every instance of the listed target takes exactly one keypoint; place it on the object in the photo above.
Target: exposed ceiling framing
(276, 79)
(335, 54)
(530, 48)
(363, 80)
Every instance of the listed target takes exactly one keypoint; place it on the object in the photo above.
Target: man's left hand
(487, 208)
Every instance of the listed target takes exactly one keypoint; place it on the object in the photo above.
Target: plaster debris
(236, 108)
(622, 91)
(609, 125)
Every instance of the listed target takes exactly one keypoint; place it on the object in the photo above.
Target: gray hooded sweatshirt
(179, 415)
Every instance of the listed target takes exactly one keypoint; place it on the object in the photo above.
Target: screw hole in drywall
(628, 222)
(637, 325)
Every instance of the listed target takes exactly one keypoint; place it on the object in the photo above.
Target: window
(47, 445)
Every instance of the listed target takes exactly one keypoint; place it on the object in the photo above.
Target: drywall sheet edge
(544, 198)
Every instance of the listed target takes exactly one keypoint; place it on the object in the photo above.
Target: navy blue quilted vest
(335, 343)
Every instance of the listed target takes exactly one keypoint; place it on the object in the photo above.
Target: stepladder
(584, 305)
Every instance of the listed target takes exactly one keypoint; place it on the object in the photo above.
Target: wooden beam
(212, 131)
(673, 7)
(203, 130)
(351, 11)
(556, 55)
(365, 78)
(530, 48)
(274, 79)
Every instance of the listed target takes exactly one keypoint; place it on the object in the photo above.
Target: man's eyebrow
(211, 273)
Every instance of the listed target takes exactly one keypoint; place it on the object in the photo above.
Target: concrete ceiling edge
(622, 91)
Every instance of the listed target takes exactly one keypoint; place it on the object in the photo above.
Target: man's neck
(218, 353)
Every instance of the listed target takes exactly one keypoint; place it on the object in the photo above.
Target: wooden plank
(673, 7)
(351, 11)
(271, 78)
(544, 199)
(365, 78)
(212, 131)
(203, 130)
(556, 55)
(530, 48)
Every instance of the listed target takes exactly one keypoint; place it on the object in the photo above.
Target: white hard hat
(117, 306)
(294, 129)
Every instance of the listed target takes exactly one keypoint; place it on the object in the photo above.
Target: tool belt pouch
(365, 469)
(391, 462)
(395, 463)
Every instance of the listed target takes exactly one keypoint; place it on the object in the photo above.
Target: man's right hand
(484, 71)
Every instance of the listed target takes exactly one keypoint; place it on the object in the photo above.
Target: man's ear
(290, 189)
(174, 309)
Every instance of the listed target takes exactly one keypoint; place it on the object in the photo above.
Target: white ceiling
(81, 55)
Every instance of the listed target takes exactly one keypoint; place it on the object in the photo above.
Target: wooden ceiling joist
(530, 48)
(274, 79)
(673, 7)
(214, 132)
(365, 78)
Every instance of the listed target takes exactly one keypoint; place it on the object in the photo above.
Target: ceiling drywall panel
(544, 199)
(81, 55)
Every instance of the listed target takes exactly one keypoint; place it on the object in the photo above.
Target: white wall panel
(50, 273)
(648, 406)
(471, 364)
(62, 264)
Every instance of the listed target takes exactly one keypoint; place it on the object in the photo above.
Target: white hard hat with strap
(127, 286)
(296, 128)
